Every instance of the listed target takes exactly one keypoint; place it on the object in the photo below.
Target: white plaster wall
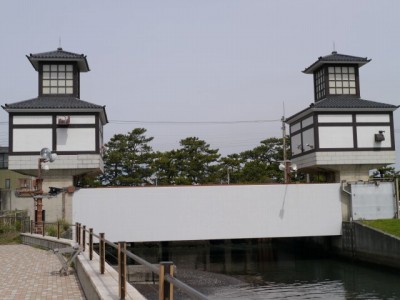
(366, 136)
(335, 118)
(23, 120)
(296, 144)
(372, 118)
(210, 212)
(308, 139)
(336, 137)
(79, 119)
(76, 139)
(307, 121)
(25, 139)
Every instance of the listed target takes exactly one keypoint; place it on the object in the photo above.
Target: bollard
(166, 289)
(90, 243)
(122, 269)
(84, 238)
(102, 253)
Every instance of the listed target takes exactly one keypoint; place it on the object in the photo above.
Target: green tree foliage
(261, 164)
(128, 159)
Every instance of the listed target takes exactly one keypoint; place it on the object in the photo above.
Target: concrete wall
(210, 212)
(364, 243)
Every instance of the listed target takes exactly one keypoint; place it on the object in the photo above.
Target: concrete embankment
(363, 243)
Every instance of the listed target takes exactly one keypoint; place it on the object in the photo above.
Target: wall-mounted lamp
(310, 146)
(379, 137)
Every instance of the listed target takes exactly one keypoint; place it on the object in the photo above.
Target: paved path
(30, 273)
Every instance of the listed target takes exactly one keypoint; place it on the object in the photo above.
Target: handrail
(164, 272)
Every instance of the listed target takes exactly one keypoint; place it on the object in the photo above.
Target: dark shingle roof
(58, 102)
(344, 103)
(59, 55)
(336, 58)
(350, 102)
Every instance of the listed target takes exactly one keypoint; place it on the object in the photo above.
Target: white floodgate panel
(371, 201)
(210, 212)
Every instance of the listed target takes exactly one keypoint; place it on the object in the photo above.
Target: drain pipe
(343, 189)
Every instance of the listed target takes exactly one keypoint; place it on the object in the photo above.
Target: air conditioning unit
(63, 120)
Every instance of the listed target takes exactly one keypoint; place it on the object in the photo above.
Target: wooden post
(102, 253)
(122, 269)
(43, 228)
(166, 290)
(84, 237)
(90, 243)
(58, 230)
(76, 232)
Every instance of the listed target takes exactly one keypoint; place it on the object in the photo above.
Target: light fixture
(379, 137)
(310, 146)
(47, 155)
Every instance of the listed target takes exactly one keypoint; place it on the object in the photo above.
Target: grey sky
(203, 61)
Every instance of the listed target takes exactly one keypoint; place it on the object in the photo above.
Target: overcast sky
(157, 62)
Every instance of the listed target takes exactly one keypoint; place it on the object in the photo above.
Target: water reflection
(275, 270)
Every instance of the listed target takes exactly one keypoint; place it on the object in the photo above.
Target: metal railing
(167, 281)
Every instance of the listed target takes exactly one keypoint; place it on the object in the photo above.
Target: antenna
(334, 47)
(59, 42)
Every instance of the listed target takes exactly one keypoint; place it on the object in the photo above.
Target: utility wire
(191, 122)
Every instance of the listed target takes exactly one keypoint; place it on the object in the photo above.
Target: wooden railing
(165, 269)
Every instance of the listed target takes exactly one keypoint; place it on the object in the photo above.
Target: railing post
(166, 290)
(84, 237)
(58, 230)
(122, 269)
(43, 228)
(90, 243)
(102, 253)
(76, 232)
(32, 226)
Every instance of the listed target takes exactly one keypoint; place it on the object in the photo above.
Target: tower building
(340, 134)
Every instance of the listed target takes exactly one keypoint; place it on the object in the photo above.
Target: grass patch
(391, 226)
(9, 235)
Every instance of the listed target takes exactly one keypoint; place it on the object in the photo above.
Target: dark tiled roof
(336, 58)
(57, 102)
(350, 102)
(59, 55)
(344, 103)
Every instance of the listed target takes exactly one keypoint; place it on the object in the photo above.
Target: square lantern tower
(57, 119)
(341, 134)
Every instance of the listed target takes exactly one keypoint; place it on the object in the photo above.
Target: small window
(60, 76)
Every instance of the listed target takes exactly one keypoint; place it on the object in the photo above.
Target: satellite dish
(294, 167)
(282, 167)
(45, 153)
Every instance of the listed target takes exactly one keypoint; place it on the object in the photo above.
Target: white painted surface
(295, 127)
(210, 212)
(366, 136)
(32, 120)
(372, 118)
(335, 118)
(308, 139)
(79, 119)
(336, 137)
(296, 144)
(76, 139)
(25, 139)
(307, 121)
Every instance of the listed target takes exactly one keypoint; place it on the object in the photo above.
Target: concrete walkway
(31, 273)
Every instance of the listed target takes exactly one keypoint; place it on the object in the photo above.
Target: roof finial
(334, 48)
(59, 43)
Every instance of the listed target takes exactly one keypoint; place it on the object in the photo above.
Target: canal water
(269, 269)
